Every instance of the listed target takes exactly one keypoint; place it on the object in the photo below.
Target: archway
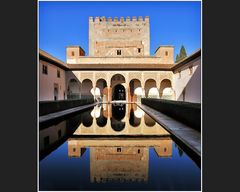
(149, 121)
(87, 87)
(73, 91)
(100, 92)
(118, 113)
(97, 113)
(101, 120)
(133, 120)
(166, 91)
(135, 90)
(151, 90)
(119, 92)
(87, 119)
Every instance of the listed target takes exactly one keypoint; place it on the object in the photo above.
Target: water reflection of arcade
(118, 114)
(119, 119)
(119, 93)
(119, 159)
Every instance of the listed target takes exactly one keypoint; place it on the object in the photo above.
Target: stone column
(94, 89)
(126, 91)
(143, 93)
(108, 94)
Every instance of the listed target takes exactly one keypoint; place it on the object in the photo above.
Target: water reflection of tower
(110, 162)
(119, 164)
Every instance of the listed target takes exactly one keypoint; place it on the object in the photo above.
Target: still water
(113, 147)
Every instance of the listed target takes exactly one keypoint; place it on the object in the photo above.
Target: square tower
(119, 37)
(166, 53)
(73, 53)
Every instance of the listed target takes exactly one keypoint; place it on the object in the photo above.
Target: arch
(87, 119)
(139, 113)
(151, 90)
(133, 120)
(118, 113)
(87, 88)
(149, 121)
(74, 89)
(166, 91)
(117, 79)
(135, 90)
(119, 92)
(100, 92)
(101, 120)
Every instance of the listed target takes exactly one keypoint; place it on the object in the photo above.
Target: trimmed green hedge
(46, 107)
(185, 112)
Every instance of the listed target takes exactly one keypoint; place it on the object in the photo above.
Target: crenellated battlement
(119, 19)
(119, 36)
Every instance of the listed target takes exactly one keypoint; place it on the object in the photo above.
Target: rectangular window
(118, 149)
(44, 69)
(166, 53)
(58, 73)
(179, 74)
(139, 50)
(118, 52)
(72, 53)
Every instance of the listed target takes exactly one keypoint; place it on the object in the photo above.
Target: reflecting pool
(113, 147)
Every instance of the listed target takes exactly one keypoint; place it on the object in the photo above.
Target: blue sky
(171, 23)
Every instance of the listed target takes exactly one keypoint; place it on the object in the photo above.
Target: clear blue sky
(171, 23)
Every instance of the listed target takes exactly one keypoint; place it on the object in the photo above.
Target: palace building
(119, 67)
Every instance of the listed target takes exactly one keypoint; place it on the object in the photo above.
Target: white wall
(191, 83)
(46, 82)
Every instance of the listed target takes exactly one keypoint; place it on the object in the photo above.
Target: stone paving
(184, 133)
(55, 115)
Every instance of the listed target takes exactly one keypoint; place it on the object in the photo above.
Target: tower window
(118, 149)
(72, 53)
(119, 52)
(45, 69)
(139, 50)
(166, 53)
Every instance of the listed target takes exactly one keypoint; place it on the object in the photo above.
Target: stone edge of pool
(188, 136)
(55, 115)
